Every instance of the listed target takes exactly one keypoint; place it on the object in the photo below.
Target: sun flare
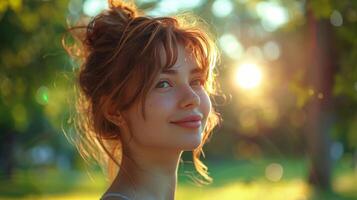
(248, 76)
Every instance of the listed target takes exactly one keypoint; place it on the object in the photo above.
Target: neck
(149, 174)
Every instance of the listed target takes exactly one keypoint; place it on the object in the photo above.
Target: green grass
(247, 180)
(232, 180)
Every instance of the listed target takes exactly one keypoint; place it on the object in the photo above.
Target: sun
(248, 76)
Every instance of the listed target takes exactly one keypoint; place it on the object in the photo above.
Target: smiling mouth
(189, 124)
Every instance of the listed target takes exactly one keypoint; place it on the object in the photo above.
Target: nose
(189, 99)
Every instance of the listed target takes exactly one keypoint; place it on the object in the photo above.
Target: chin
(192, 144)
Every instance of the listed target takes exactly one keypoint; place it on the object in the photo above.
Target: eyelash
(202, 82)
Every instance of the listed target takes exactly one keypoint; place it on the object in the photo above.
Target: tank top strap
(112, 194)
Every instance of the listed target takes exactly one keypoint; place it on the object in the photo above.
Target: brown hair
(121, 45)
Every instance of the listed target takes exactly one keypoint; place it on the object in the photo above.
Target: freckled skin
(172, 97)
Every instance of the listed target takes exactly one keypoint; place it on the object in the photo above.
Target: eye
(162, 84)
(200, 82)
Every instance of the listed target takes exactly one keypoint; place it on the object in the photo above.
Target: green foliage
(34, 90)
(345, 86)
(32, 59)
(321, 8)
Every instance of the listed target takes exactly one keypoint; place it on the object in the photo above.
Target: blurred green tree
(32, 95)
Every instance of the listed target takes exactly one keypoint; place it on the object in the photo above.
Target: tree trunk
(7, 162)
(320, 71)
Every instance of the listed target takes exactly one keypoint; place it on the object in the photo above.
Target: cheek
(205, 107)
(158, 109)
(153, 130)
(206, 104)
(159, 106)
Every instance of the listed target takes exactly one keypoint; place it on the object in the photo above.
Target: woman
(144, 97)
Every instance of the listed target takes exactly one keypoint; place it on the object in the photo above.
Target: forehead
(174, 59)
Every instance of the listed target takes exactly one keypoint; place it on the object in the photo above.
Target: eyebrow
(173, 72)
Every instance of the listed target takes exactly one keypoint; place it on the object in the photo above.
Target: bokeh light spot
(222, 8)
(248, 76)
(231, 46)
(336, 18)
(42, 95)
(274, 172)
(336, 150)
(93, 7)
(42, 154)
(272, 15)
(167, 7)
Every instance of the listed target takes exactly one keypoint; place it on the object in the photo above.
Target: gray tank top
(111, 194)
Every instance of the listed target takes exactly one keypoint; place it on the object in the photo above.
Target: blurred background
(288, 68)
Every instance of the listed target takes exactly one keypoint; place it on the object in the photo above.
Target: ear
(110, 117)
(110, 112)
(115, 117)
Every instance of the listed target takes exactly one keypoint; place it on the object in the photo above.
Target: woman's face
(176, 94)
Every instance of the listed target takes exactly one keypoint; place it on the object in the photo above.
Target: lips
(192, 121)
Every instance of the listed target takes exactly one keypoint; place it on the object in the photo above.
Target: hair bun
(109, 25)
(125, 9)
